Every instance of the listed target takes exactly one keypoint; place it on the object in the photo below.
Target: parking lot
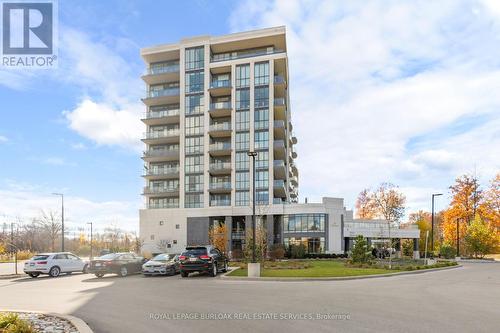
(461, 299)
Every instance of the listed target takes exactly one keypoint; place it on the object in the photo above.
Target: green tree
(360, 252)
(481, 238)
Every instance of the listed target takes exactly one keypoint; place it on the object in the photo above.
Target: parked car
(162, 264)
(54, 264)
(202, 259)
(122, 264)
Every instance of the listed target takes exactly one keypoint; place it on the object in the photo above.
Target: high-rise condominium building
(209, 102)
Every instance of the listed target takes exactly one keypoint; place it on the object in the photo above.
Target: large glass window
(242, 76)
(261, 97)
(193, 200)
(242, 198)
(194, 164)
(193, 183)
(194, 82)
(261, 73)
(242, 141)
(262, 160)
(242, 159)
(164, 203)
(242, 180)
(311, 244)
(194, 145)
(262, 197)
(304, 223)
(194, 125)
(220, 200)
(262, 140)
(261, 119)
(194, 104)
(195, 58)
(164, 185)
(242, 98)
(262, 179)
(242, 120)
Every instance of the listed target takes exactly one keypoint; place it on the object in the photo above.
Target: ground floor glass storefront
(311, 244)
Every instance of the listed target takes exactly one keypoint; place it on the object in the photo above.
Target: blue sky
(409, 90)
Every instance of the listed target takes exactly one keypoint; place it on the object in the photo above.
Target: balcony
(279, 188)
(222, 187)
(279, 169)
(279, 129)
(279, 149)
(278, 201)
(218, 130)
(280, 108)
(161, 191)
(245, 54)
(220, 202)
(220, 88)
(160, 73)
(220, 149)
(162, 96)
(161, 173)
(159, 137)
(279, 80)
(158, 155)
(223, 168)
(161, 117)
(220, 109)
(162, 206)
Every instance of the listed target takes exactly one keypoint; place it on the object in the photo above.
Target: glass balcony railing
(220, 84)
(279, 101)
(279, 163)
(158, 205)
(279, 124)
(278, 79)
(158, 189)
(161, 152)
(279, 183)
(278, 201)
(163, 68)
(163, 92)
(162, 172)
(161, 134)
(220, 105)
(220, 166)
(279, 144)
(220, 202)
(220, 146)
(220, 127)
(161, 114)
(244, 54)
(220, 186)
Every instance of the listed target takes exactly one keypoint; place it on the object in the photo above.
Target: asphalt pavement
(464, 299)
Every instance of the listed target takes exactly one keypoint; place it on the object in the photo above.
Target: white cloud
(368, 80)
(56, 161)
(3, 139)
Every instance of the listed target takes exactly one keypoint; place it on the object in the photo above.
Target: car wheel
(184, 274)
(213, 272)
(54, 271)
(34, 275)
(85, 269)
(225, 267)
(123, 271)
(99, 275)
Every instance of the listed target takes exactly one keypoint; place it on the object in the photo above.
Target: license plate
(151, 269)
(192, 259)
(97, 264)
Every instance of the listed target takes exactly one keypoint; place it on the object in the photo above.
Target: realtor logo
(28, 33)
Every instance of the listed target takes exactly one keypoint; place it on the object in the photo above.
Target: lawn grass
(317, 268)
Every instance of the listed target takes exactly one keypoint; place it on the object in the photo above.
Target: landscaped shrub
(277, 251)
(360, 253)
(325, 255)
(236, 254)
(447, 251)
(11, 323)
(297, 251)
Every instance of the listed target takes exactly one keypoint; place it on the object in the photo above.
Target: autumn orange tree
(387, 202)
(490, 207)
(365, 207)
(217, 235)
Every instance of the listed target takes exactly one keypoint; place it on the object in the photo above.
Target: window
(195, 58)
(220, 200)
(193, 200)
(60, 256)
(175, 241)
(261, 119)
(193, 183)
(177, 226)
(242, 180)
(242, 98)
(242, 161)
(242, 120)
(261, 73)
(194, 104)
(242, 141)
(169, 246)
(261, 97)
(262, 160)
(161, 222)
(194, 164)
(242, 198)
(312, 244)
(152, 237)
(194, 82)
(194, 125)
(194, 145)
(164, 185)
(304, 223)
(262, 197)
(242, 76)
(261, 140)
(164, 203)
(262, 179)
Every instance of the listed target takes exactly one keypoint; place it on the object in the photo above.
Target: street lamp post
(253, 154)
(62, 218)
(432, 220)
(91, 236)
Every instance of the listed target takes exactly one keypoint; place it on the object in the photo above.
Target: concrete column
(416, 252)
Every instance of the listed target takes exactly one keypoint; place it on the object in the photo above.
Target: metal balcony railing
(161, 134)
(163, 92)
(161, 114)
(220, 84)
(220, 127)
(167, 67)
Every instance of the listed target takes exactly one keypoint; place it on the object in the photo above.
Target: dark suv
(202, 259)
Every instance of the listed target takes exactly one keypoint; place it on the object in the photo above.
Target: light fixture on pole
(432, 220)
(62, 218)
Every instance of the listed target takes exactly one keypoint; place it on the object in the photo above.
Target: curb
(80, 325)
(337, 278)
(10, 276)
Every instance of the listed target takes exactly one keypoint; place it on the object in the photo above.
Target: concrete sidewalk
(8, 268)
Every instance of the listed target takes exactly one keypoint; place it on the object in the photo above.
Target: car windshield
(40, 257)
(162, 257)
(108, 256)
(195, 252)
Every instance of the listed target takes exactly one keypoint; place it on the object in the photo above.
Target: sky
(381, 91)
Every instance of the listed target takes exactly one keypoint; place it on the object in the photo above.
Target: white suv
(54, 264)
